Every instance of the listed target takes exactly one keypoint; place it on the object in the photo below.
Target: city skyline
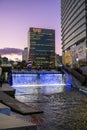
(18, 16)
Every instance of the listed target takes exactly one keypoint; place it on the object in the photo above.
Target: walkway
(11, 123)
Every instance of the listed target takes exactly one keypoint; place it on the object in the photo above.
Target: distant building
(58, 60)
(25, 54)
(41, 46)
(74, 32)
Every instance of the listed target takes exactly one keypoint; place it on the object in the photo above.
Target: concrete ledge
(14, 104)
(5, 109)
(18, 106)
(8, 89)
(11, 123)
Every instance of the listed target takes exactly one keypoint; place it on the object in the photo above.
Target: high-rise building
(74, 32)
(25, 54)
(41, 44)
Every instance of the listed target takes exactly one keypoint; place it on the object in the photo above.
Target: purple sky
(17, 16)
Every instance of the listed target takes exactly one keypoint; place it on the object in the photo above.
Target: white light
(77, 59)
(31, 85)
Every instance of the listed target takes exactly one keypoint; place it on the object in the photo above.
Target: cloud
(6, 51)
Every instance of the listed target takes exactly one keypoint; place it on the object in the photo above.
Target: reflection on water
(64, 107)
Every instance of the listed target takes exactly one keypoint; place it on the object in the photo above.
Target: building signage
(81, 50)
(67, 57)
(37, 30)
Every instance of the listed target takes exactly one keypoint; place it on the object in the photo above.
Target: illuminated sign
(81, 51)
(67, 57)
(37, 30)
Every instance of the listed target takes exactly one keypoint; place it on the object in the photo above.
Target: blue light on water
(23, 79)
(51, 79)
(68, 81)
(69, 87)
(35, 79)
(37, 83)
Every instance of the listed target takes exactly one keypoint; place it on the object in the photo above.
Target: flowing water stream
(65, 108)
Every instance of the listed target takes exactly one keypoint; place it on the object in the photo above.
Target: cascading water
(37, 79)
(24, 79)
(63, 106)
(29, 83)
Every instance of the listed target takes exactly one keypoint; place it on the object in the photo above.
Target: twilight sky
(17, 16)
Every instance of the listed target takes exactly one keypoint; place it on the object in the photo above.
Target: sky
(17, 16)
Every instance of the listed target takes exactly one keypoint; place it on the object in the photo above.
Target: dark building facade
(41, 43)
(74, 32)
(25, 54)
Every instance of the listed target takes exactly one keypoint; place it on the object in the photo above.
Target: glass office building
(41, 43)
(74, 32)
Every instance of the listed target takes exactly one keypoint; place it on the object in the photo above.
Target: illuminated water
(65, 108)
(38, 83)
